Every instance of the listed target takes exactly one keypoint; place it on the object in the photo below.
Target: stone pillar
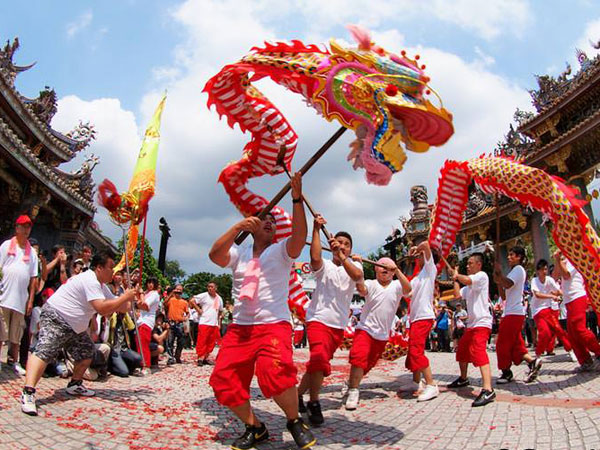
(504, 259)
(539, 238)
(580, 183)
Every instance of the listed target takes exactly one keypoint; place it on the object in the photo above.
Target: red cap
(23, 220)
(48, 292)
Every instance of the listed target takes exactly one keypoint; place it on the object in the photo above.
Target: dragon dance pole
(143, 247)
(137, 332)
(284, 190)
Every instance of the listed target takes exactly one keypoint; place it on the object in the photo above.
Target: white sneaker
(18, 369)
(80, 389)
(344, 390)
(146, 371)
(28, 404)
(431, 391)
(572, 356)
(352, 400)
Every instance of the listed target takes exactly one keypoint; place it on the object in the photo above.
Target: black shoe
(178, 361)
(301, 405)
(208, 363)
(484, 398)
(506, 377)
(200, 363)
(253, 435)
(301, 433)
(459, 382)
(171, 361)
(534, 370)
(315, 416)
(550, 353)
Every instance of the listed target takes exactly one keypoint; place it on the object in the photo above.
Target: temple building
(563, 138)
(61, 204)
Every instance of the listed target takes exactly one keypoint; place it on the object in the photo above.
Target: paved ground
(174, 409)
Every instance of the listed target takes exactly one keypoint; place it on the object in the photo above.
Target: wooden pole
(365, 260)
(285, 189)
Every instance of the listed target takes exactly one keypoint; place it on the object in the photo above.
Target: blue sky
(109, 61)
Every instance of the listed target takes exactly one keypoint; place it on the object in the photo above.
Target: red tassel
(108, 195)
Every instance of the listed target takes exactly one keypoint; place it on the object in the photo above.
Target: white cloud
(591, 35)
(195, 145)
(79, 24)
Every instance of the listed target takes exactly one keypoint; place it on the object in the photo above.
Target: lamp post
(165, 235)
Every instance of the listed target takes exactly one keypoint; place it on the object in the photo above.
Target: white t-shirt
(270, 303)
(422, 288)
(16, 275)
(211, 308)
(152, 299)
(330, 303)
(459, 318)
(574, 287)
(193, 315)
(72, 299)
(547, 287)
(478, 303)
(514, 295)
(380, 308)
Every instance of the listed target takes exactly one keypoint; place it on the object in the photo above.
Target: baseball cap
(23, 220)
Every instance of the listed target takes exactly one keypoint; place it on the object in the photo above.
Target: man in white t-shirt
(576, 301)
(19, 265)
(327, 312)
(382, 299)
(208, 305)
(259, 339)
(64, 321)
(510, 347)
(545, 293)
(148, 308)
(422, 318)
(472, 345)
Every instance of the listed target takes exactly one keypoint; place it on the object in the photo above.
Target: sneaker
(301, 405)
(587, 366)
(459, 382)
(170, 361)
(253, 435)
(28, 404)
(301, 433)
(344, 390)
(18, 369)
(315, 416)
(484, 398)
(352, 400)
(506, 377)
(199, 363)
(207, 362)
(77, 388)
(550, 353)
(430, 392)
(534, 370)
(572, 356)
(146, 371)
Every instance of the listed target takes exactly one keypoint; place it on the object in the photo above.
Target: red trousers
(510, 346)
(556, 314)
(266, 349)
(472, 346)
(418, 332)
(582, 339)
(365, 351)
(323, 341)
(145, 338)
(548, 327)
(298, 335)
(207, 338)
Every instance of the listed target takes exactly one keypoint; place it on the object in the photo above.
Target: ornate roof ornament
(44, 107)
(515, 144)
(521, 116)
(6, 61)
(83, 133)
(550, 88)
(81, 180)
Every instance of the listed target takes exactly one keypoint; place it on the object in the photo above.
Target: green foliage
(173, 272)
(150, 267)
(197, 283)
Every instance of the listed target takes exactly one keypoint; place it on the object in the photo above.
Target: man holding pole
(259, 337)
(327, 313)
(64, 321)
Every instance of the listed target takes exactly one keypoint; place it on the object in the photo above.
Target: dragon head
(382, 97)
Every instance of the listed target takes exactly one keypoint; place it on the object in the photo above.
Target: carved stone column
(580, 183)
(539, 237)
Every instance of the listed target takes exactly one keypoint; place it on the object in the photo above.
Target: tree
(150, 268)
(197, 283)
(173, 272)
